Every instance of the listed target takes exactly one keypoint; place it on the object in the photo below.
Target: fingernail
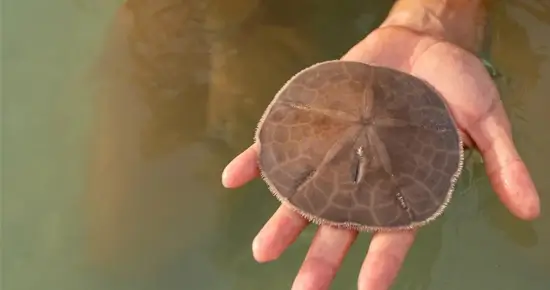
(224, 178)
(255, 250)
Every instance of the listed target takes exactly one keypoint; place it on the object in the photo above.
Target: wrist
(461, 22)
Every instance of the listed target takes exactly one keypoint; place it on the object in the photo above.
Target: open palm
(475, 105)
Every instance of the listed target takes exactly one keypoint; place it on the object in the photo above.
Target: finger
(386, 254)
(242, 169)
(508, 174)
(277, 234)
(328, 248)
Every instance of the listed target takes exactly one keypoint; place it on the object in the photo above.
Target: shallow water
(112, 152)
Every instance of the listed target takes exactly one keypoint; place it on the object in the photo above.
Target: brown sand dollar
(358, 146)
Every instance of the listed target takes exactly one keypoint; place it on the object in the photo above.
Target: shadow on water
(178, 90)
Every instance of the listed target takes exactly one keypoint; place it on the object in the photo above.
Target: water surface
(117, 124)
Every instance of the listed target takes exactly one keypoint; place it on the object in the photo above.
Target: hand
(475, 105)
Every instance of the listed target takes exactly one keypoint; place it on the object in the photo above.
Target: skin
(435, 41)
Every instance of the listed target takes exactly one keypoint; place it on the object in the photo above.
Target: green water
(113, 143)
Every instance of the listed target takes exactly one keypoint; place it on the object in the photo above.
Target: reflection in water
(147, 200)
(182, 85)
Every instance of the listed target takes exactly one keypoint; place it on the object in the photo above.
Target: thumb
(506, 170)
